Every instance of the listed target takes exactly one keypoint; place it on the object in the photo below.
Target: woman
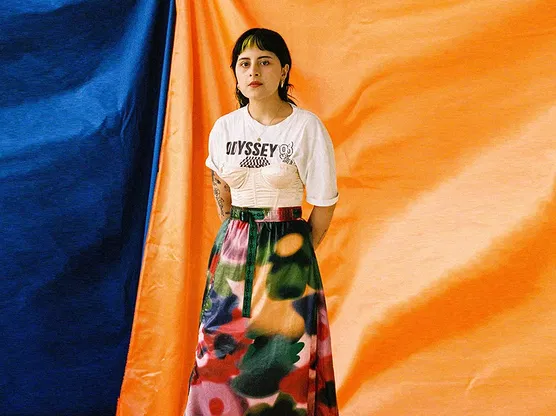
(264, 343)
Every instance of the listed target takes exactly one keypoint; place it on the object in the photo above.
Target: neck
(268, 110)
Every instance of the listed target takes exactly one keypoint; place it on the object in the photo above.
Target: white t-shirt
(237, 141)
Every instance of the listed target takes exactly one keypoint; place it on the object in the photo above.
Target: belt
(252, 216)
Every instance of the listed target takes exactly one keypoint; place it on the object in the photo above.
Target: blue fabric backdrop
(82, 93)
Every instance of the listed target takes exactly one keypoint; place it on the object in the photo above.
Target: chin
(256, 95)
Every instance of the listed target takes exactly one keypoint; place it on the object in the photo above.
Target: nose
(254, 70)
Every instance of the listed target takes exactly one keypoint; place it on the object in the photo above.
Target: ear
(285, 70)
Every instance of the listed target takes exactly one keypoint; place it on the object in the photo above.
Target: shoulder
(306, 117)
(312, 126)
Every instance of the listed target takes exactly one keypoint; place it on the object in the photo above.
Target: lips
(255, 84)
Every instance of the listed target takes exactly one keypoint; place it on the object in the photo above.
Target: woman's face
(259, 73)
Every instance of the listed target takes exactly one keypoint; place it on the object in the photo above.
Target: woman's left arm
(319, 221)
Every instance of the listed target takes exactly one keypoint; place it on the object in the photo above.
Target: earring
(282, 84)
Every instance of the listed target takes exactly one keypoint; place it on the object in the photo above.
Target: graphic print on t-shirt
(286, 150)
(254, 162)
(257, 154)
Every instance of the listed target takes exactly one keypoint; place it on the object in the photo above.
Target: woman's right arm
(222, 196)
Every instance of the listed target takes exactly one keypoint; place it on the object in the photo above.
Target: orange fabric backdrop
(440, 264)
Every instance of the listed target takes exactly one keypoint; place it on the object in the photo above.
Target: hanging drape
(439, 266)
(440, 262)
(81, 89)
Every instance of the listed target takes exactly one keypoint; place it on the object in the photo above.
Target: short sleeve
(215, 148)
(316, 164)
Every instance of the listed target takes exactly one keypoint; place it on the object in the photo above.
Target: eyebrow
(260, 57)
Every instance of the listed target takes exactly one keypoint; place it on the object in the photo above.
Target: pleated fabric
(439, 264)
(80, 98)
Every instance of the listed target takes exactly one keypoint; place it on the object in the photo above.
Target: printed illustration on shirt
(259, 154)
(286, 151)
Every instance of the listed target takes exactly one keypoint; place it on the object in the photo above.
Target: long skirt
(264, 339)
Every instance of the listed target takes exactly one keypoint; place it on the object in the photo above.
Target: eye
(264, 63)
(244, 64)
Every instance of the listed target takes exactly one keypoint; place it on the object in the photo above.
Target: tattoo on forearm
(215, 180)
(217, 195)
(219, 201)
(216, 191)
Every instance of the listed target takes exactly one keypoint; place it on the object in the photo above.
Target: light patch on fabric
(289, 245)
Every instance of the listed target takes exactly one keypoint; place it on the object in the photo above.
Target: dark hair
(265, 40)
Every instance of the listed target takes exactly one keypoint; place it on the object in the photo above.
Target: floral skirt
(264, 339)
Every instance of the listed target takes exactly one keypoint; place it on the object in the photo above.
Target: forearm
(222, 196)
(319, 221)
